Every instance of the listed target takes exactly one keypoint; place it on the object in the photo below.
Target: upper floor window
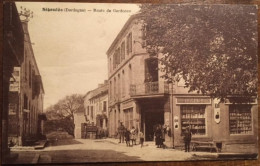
(104, 106)
(110, 64)
(123, 51)
(116, 58)
(30, 74)
(129, 44)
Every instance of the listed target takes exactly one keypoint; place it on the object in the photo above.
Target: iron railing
(149, 88)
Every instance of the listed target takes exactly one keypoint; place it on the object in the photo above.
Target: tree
(213, 48)
(60, 115)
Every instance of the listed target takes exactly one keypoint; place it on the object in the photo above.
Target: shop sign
(216, 110)
(193, 100)
(15, 80)
(252, 101)
(176, 122)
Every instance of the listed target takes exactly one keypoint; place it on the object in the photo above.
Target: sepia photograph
(125, 82)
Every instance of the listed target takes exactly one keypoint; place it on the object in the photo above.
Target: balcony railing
(149, 88)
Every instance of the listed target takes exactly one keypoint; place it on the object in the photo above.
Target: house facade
(13, 49)
(93, 123)
(26, 97)
(138, 97)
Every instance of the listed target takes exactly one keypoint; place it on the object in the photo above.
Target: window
(87, 110)
(91, 111)
(118, 86)
(118, 57)
(123, 51)
(110, 91)
(194, 117)
(30, 75)
(105, 106)
(114, 60)
(123, 83)
(128, 117)
(110, 64)
(240, 120)
(129, 44)
(115, 94)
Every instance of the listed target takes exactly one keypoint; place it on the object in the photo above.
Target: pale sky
(70, 47)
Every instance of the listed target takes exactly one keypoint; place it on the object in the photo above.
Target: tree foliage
(212, 47)
(60, 115)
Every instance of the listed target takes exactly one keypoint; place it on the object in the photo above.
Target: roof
(100, 90)
(95, 92)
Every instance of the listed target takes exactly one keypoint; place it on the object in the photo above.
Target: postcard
(115, 82)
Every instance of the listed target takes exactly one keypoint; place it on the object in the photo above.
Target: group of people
(130, 136)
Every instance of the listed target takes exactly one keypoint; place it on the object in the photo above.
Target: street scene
(89, 82)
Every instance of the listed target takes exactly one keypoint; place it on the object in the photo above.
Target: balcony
(149, 88)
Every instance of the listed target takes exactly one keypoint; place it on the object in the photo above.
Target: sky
(70, 47)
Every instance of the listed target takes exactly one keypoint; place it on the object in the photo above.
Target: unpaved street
(102, 150)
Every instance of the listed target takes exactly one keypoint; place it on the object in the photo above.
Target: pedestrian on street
(187, 139)
(127, 138)
(121, 132)
(141, 136)
(158, 137)
(133, 136)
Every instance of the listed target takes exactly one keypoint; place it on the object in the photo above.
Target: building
(26, 95)
(139, 97)
(13, 48)
(96, 114)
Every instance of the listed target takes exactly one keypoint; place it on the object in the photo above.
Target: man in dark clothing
(121, 132)
(187, 139)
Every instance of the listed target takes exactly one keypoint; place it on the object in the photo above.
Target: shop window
(193, 116)
(240, 119)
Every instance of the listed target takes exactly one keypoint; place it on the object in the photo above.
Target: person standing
(127, 137)
(187, 139)
(158, 137)
(121, 132)
(141, 136)
(133, 135)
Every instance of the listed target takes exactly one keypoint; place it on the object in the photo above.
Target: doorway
(151, 120)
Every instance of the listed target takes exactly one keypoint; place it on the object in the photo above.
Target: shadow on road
(54, 142)
(87, 156)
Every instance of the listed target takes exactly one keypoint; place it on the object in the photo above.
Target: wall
(79, 118)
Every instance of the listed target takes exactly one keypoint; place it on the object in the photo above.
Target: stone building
(26, 95)
(13, 48)
(139, 97)
(96, 114)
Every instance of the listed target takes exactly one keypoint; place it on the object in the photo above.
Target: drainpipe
(172, 124)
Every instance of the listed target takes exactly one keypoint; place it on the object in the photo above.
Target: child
(141, 136)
